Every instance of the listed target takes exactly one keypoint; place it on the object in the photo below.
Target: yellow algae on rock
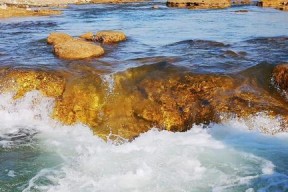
(77, 49)
(158, 95)
(82, 102)
(21, 81)
(57, 37)
(110, 36)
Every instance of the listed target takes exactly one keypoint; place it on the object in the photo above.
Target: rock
(77, 49)
(241, 2)
(155, 7)
(21, 81)
(157, 95)
(88, 36)
(278, 4)
(199, 4)
(23, 12)
(39, 3)
(57, 37)
(280, 76)
(241, 11)
(82, 101)
(233, 54)
(110, 36)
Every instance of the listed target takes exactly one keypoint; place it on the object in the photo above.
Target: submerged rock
(199, 4)
(6, 12)
(56, 38)
(143, 97)
(77, 49)
(110, 36)
(278, 4)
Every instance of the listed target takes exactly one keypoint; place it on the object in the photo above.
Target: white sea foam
(223, 157)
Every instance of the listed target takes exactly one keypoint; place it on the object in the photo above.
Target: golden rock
(88, 36)
(57, 38)
(110, 36)
(77, 49)
(23, 12)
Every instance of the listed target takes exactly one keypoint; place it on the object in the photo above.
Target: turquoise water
(40, 154)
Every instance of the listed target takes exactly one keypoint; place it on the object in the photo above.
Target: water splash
(222, 157)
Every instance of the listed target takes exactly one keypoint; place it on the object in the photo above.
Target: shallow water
(40, 154)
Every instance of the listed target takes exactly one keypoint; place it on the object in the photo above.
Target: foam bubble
(222, 157)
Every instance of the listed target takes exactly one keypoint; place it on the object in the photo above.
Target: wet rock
(77, 49)
(88, 36)
(23, 12)
(155, 7)
(110, 36)
(280, 76)
(82, 101)
(199, 4)
(57, 37)
(21, 81)
(278, 4)
(157, 95)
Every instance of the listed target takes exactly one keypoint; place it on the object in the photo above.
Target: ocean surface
(38, 153)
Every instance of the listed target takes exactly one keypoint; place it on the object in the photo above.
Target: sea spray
(220, 157)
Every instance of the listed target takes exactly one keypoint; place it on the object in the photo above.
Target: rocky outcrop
(278, 4)
(57, 38)
(280, 76)
(199, 4)
(6, 12)
(77, 49)
(143, 97)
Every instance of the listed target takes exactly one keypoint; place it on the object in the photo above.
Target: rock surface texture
(145, 97)
(241, 2)
(56, 38)
(109, 37)
(280, 76)
(278, 4)
(199, 4)
(77, 49)
(67, 47)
